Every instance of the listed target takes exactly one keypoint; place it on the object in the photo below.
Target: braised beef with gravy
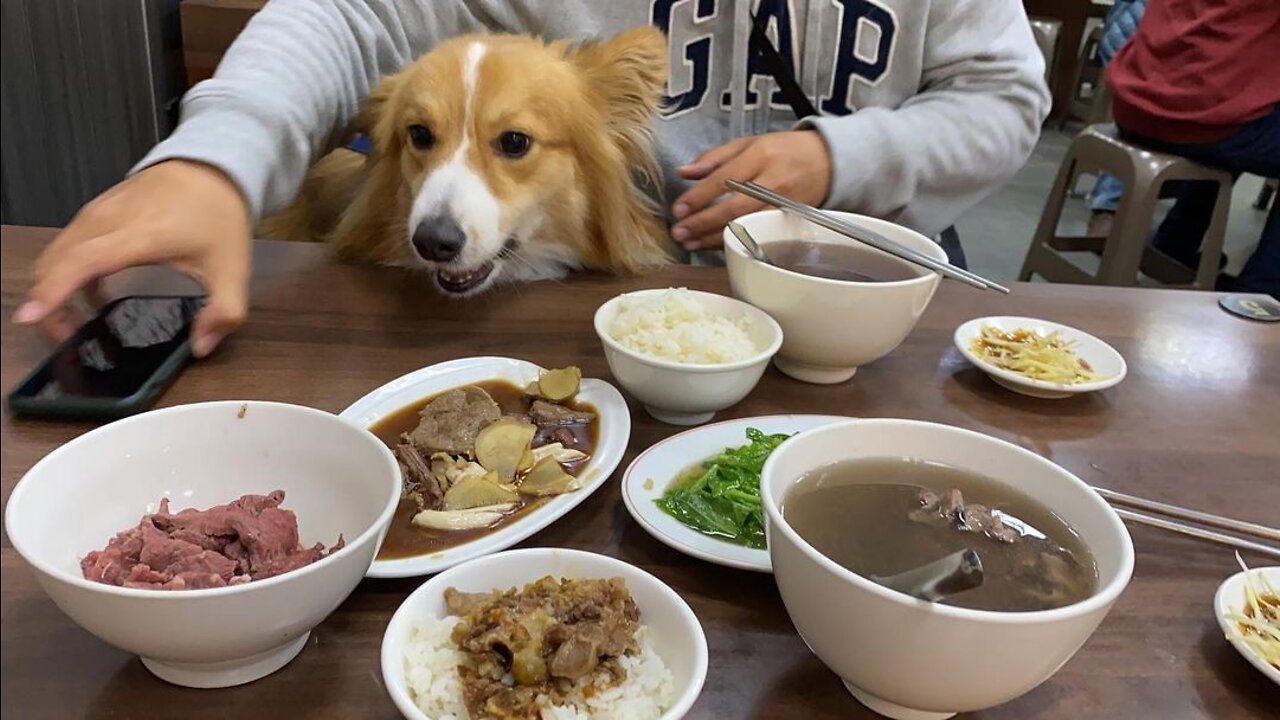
(435, 443)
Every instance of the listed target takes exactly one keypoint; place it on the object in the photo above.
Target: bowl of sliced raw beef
(211, 538)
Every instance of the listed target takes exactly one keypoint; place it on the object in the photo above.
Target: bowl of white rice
(686, 354)
(663, 679)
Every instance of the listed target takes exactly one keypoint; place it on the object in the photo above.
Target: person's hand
(183, 214)
(795, 163)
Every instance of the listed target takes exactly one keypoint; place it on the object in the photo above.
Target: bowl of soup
(841, 303)
(853, 504)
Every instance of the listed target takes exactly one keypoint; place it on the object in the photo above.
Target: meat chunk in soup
(950, 507)
(451, 422)
(547, 414)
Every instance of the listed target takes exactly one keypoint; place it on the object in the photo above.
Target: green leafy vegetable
(724, 500)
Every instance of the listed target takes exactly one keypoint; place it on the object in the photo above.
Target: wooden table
(1194, 423)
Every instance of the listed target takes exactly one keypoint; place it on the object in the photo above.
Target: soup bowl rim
(36, 557)
(731, 242)
(1099, 600)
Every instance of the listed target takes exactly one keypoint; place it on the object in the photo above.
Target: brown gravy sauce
(404, 539)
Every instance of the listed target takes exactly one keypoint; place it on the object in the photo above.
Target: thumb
(224, 311)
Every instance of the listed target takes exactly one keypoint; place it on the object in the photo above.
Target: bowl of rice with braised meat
(686, 354)
(544, 634)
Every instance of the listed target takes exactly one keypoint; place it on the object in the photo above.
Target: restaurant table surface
(1194, 423)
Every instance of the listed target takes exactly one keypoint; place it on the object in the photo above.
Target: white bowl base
(675, 417)
(228, 673)
(892, 710)
(816, 374)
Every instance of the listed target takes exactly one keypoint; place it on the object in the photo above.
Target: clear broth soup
(834, 261)
(885, 516)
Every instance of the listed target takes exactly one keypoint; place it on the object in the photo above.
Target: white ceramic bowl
(673, 628)
(1103, 358)
(911, 659)
(337, 479)
(689, 394)
(831, 327)
(611, 444)
(1230, 596)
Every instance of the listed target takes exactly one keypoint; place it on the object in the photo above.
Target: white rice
(430, 670)
(676, 326)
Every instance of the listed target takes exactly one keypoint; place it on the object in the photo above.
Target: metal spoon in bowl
(749, 242)
(955, 573)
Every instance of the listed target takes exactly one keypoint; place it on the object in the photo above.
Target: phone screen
(117, 352)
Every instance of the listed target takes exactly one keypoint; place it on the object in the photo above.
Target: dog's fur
(577, 199)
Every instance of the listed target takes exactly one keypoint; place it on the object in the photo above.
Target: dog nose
(439, 238)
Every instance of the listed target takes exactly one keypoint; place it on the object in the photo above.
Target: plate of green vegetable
(699, 491)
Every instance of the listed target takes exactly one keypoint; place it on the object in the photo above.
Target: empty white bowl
(673, 629)
(337, 478)
(915, 660)
(831, 327)
(684, 393)
(1103, 358)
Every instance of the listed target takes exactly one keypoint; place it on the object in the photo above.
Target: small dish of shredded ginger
(1247, 607)
(1049, 357)
(1039, 358)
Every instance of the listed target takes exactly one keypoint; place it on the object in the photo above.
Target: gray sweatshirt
(926, 105)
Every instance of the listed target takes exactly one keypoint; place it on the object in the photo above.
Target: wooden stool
(1046, 32)
(1088, 72)
(1125, 251)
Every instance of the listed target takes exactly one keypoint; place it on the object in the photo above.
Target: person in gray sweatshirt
(923, 107)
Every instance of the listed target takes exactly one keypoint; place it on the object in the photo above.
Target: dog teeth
(462, 280)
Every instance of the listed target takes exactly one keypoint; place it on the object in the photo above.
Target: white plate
(1231, 594)
(615, 431)
(653, 470)
(674, 630)
(1101, 357)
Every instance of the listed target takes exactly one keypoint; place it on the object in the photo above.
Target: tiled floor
(997, 232)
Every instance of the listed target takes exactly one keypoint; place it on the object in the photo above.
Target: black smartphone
(116, 364)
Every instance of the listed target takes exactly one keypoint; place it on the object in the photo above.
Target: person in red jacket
(1201, 78)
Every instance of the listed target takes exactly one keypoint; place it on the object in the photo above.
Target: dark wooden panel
(208, 29)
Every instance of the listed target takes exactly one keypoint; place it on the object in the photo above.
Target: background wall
(86, 87)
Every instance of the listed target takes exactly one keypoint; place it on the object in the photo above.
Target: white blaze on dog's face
(515, 159)
(485, 153)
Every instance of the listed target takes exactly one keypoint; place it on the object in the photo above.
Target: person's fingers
(745, 166)
(713, 158)
(71, 267)
(61, 323)
(94, 293)
(704, 229)
(224, 310)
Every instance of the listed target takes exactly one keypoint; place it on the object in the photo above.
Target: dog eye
(514, 144)
(421, 137)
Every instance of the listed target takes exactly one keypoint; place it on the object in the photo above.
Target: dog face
(509, 153)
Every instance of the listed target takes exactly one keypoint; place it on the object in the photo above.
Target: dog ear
(628, 73)
(374, 120)
(626, 77)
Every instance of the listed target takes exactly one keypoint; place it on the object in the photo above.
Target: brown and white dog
(499, 158)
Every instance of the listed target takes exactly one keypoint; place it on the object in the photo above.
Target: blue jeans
(1106, 192)
(1254, 149)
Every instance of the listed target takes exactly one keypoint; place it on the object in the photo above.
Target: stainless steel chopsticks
(1202, 534)
(861, 234)
(1202, 518)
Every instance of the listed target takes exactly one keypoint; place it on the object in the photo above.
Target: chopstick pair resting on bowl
(856, 232)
